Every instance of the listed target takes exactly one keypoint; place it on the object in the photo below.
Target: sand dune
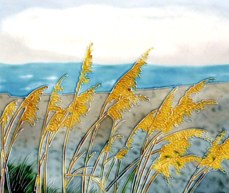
(213, 119)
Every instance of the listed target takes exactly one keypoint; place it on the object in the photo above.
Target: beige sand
(213, 119)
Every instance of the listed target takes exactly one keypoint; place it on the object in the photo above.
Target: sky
(181, 32)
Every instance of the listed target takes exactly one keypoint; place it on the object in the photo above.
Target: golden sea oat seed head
(217, 153)
(146, 122)
(56, 120)
(163, 166)
(144, 125)
(55, 98)
(163, 114)
(30, 105)
(178, 142)
(168, 118)
(87, 66)
(8, 113)
(122, 153)
(123, 105)
(174, 149)
(79, 107)
(196, 88)
(127, 83)
(185, 134)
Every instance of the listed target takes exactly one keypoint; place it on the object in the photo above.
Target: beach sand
(214, 119)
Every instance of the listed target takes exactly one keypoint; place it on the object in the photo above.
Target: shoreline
(139, 90)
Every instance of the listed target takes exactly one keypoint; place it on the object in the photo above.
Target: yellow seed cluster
(55, 98)
(87, 66)
(124, 87)
(30, 105)
(122, 92)
(179, 142)
(122, 153)
(217, 153)
(8, 113)
(163, 166)
(185, 135)
(123, 105)
(78, 108)
(161, 119)
(169, 117)
(144, 125)
(56, 120)
(173, 154)
(70, 116)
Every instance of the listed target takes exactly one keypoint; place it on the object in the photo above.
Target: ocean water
(19, 80)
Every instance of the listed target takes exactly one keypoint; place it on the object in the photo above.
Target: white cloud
(120, 35)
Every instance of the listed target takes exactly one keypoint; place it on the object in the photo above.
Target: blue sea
(19, 80)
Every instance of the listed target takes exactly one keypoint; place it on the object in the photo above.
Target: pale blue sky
(11, 6)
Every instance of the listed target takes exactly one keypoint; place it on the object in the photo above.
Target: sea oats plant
(165, 145)
(216, 154)
(63, 117)
(12, 120)
(160, 126)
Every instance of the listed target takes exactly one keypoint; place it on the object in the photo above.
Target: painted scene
(114, 96)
